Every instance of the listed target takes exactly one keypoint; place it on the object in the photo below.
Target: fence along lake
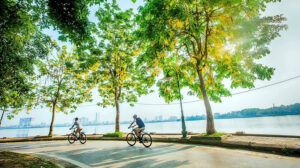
(281, 125)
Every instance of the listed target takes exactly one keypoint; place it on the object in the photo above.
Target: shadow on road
(136, 156)
(106, 156)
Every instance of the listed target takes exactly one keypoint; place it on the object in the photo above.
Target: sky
(284, 57)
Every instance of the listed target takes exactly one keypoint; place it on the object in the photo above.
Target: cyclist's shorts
(140, 129)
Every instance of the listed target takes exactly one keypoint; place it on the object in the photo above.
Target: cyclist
(78, 127)
(140, 128)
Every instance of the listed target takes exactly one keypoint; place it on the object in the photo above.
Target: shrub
(114, 134)
(217, 134)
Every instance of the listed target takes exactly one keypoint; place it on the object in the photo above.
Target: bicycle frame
(81, 137)
(147, 142)
(74, 130)
(133, 132)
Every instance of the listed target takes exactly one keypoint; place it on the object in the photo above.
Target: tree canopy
(21, 44)
(61, 87)
(212, 40)
(113, 68)
(202, 42)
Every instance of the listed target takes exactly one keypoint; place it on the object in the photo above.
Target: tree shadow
(43, 147)
(107, 157)
(125, 154)
(136, 156)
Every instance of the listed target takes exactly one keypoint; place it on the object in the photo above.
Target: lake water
(282, 125)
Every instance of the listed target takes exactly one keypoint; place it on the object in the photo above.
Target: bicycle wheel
(71, 138)
(82, 138)
(146, 140)
(131, 139)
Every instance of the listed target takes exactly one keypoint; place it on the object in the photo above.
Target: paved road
(119, 154)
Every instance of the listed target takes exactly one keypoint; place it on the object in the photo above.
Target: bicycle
(145, 138)
(72, 138)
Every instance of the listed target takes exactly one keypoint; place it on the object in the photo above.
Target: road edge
(213, 141)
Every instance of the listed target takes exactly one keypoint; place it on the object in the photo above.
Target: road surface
(120, 154)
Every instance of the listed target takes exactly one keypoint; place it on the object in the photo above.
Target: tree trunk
(2, 117)
(117, 115)
(53, 118)
(210, 126)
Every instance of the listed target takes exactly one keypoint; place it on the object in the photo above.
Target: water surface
(281, 125)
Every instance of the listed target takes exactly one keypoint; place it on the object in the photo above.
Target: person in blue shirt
(141, 126)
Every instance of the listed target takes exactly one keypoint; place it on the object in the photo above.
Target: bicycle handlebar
(132, 126)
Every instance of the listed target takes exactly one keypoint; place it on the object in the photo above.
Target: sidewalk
(265, 143)
(282, 145)
(272, 141)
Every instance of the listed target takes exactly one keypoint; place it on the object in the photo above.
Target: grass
(16, 160)
(217, 134)
(114, 134)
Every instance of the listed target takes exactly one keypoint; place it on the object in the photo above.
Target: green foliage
(11, 159)
(61, 88)
(71, 19)
(208, 42)
(111, 59)
(113, 68)
(216, 39)
(114, 134)
(201, 43)
(217, 134)
(282, 110)
(22, 42)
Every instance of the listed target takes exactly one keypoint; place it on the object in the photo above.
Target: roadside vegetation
(16, 160)
(216, 134)
(114, 134)
(124, 53)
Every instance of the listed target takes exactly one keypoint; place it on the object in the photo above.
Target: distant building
(43, 124)
(160, 118)
(25, 122)
(96, 119)
(172, 118)
(217, 114)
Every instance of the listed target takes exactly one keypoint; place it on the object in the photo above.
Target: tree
(213, 41)
(13, 101)
(113, 68)
(62, 87)
(21, 43)
(71, 19)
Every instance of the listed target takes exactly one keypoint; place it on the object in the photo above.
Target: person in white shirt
(77, 125)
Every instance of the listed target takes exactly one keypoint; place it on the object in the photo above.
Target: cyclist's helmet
(134, 116)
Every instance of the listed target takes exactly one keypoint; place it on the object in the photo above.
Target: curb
(267, 135)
